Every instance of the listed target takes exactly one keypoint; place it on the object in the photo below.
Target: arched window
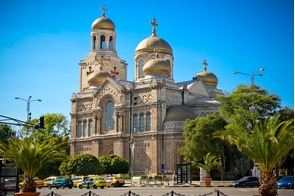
(79, 131)
(90, 128)
(84, 128)
(94, 42)
(148, 122)
(140, 67)
(109, 120)
(141, 122)
(102, 42)
(135, 123)
(111, 43)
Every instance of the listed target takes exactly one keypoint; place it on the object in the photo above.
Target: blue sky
(42, 42)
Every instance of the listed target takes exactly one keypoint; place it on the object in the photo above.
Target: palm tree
(266, 146)
(31, 156)
(210, 161)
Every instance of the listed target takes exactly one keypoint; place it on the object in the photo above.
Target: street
(160, 191)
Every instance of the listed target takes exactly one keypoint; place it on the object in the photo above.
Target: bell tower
(102, 58)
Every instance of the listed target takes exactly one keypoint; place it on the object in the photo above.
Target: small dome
(207, 77)
(154, 42)
(157, 66)
(97, 78)
(103, 23)
(178, 113)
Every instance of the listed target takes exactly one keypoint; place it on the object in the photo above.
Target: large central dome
(153, 42)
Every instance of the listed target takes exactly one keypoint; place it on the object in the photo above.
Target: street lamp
(28, 105)
(252, 84)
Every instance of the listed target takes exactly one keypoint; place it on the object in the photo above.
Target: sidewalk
(171, 184)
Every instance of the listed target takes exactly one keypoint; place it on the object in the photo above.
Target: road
(160, 191)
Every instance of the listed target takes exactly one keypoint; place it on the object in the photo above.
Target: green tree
(266, 145)
(287, 164)
(84, 164)
(54, 123)
(113, 164)
(239, 110)
(199, 139)
(5, 132)
(31, 156)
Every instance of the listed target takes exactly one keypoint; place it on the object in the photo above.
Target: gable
(198, 88)
(111, 88)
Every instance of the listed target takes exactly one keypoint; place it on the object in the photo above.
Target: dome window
(94, 42)
(111, 43)
(102, 42)
(139, 68)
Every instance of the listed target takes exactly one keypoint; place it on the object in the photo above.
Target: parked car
(79, 179)
(114, 181)
(93, 182)
(247, 181)
(49, 180)
(286, 182)
(61, 183)
(9, 184)
(39, 183)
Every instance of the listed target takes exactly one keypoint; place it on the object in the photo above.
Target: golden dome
(154, 42)
(97, 78)
(178, 113)
(157, 66)
(207, 77)
(103, 22)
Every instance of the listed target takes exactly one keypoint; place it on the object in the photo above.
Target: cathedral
(140, 120)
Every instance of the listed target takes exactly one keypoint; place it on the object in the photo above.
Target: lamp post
(252, 85)
(28, 105)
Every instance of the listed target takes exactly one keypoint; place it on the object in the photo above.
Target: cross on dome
(103, 10)
(205, 65)
(154, 24)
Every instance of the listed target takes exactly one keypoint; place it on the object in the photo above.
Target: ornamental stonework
(109, 90)
(144, 98)
(82, 107)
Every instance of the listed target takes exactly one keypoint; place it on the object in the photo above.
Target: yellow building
(140, 120)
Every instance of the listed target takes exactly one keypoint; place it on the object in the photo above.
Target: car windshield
(288, 178)
(243, 179)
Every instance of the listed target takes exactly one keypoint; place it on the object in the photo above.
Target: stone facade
(141, 121)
